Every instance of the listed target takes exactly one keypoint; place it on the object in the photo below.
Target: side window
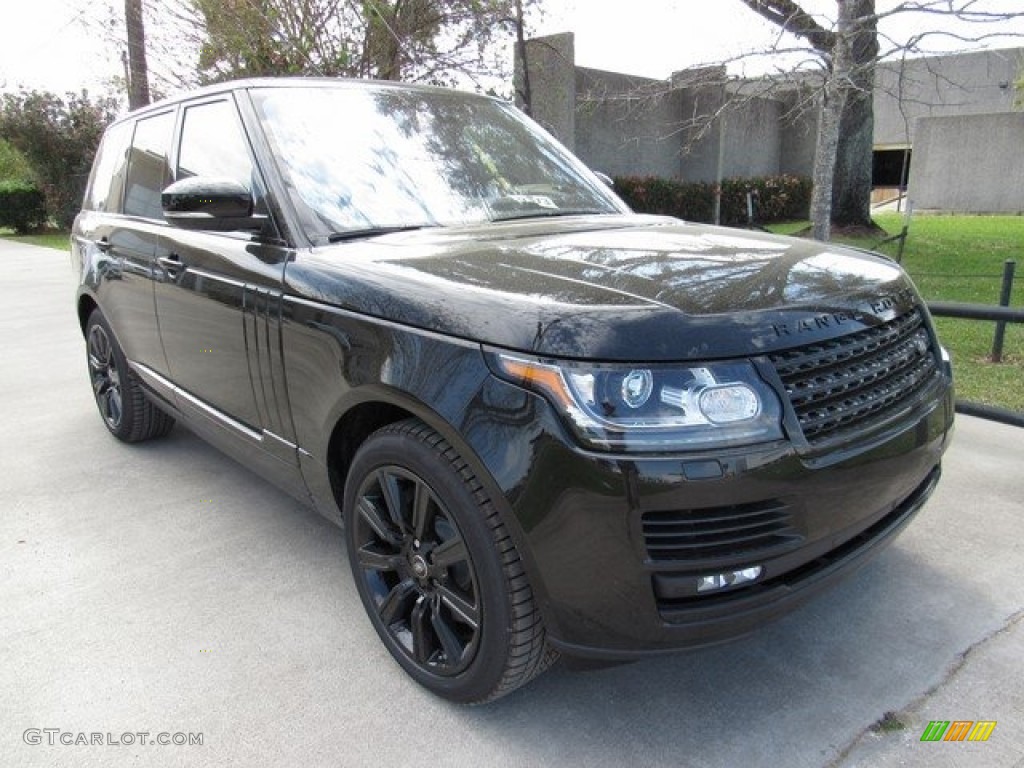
(106, 185)
(147, 166)
(212, 144)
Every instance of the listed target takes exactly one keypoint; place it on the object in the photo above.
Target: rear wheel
(436, 570)
(126, 411)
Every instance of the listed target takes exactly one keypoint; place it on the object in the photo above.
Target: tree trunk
(526, 91)
(837, 87)
(825, 151)
(851, 179)
(138, 71)
(849, 203)
(385, 26)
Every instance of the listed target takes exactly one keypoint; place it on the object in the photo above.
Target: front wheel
(436, 570)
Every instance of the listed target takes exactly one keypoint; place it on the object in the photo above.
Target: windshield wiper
(541, 213)
(355, 234)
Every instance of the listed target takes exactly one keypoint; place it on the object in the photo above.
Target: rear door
(121, 227)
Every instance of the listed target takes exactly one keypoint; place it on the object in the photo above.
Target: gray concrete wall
(552, 67)
(753, 141)
(935, 86)
(635, 126)
(954, 169)
(799, 134)
(627, 126)
(701, 143)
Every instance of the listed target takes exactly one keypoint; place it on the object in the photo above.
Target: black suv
(549, 425)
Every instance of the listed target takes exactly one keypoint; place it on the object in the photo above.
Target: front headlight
(654, 408)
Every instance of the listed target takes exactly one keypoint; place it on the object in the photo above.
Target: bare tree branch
(789, 16)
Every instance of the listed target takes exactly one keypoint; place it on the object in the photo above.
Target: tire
(126, 411)
(436, 569)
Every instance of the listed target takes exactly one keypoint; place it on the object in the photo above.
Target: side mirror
(212, 204)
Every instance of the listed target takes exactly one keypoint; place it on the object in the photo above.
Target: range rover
(547, 425)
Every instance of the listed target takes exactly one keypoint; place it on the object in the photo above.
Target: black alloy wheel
(418, 571)
(105, 377)
(126, 411)
(436, 569)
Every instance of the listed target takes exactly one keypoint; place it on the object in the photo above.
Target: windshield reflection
(368, 158)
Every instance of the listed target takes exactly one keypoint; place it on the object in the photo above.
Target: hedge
(22, 206)
(776, 198)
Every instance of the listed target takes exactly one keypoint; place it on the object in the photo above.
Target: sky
(64, 45)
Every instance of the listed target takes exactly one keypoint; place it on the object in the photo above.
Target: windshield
(362, 159)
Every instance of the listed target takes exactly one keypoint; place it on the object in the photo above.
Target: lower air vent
(715, 534)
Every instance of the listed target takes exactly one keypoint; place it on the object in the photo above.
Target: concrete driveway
(163, 589)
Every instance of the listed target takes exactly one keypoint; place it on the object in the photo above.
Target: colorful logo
(958, 730)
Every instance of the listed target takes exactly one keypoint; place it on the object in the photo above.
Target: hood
(637, 288)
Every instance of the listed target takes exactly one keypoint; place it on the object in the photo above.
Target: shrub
(776, 198)
(57, 136)
(693, 201)
(22, 206)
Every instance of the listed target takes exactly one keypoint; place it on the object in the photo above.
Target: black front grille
(854, 380)
(738, 531)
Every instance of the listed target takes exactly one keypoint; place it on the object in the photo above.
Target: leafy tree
(58, 138)
(436, 41)
(13, 165)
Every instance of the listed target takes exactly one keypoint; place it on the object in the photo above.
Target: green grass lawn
(951, 258)
(58, 240)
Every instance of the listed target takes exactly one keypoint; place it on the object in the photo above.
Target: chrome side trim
(216, 278)
(220, 416)
(152, 377)
(277, 438)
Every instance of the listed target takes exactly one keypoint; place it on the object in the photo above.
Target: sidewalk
(983, 684)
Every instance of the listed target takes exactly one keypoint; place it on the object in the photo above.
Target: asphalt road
(161, 588)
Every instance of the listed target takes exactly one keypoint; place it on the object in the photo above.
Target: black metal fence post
(1009, 266)
(993, 314)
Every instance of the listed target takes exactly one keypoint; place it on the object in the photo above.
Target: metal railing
(1000, 315)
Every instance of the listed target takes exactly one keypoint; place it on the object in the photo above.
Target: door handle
(171, 263)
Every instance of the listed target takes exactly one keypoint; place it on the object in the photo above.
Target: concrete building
(946, 125)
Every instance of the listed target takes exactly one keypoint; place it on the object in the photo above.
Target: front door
(218, 301)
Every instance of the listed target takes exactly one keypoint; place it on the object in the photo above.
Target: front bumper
(616, 545)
